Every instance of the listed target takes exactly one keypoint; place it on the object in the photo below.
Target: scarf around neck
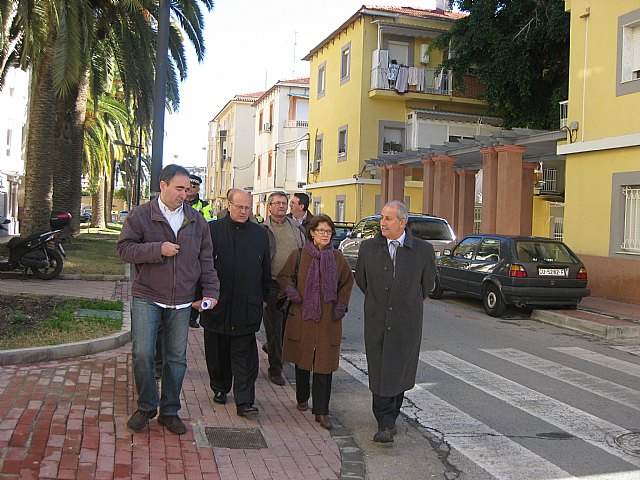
(322, 274)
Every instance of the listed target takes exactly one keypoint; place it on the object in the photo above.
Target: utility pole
(162, 50)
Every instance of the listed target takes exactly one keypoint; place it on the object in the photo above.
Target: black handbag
(284, 304)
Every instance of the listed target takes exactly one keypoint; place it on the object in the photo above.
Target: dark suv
(426, 227)
(512, 270)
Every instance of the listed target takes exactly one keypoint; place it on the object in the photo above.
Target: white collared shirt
(400, 240)
(175, 217)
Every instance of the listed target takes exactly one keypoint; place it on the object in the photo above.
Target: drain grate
(236, 438)
(629, 442)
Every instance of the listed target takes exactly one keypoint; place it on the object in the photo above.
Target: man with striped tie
(396, 272)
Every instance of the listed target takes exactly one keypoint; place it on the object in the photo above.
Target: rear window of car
(544, 252)
(430, 230)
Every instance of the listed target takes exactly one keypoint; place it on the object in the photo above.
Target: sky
(250, 45)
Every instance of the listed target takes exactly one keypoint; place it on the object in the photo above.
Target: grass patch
(94, 253)
(37, 320)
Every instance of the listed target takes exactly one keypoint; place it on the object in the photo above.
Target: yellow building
(375, 90)
(602, 192)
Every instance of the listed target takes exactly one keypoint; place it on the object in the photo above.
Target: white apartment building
(281, 140)
(230, 156)
(14, 99)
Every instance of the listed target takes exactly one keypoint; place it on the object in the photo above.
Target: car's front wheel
(437, 291)
(492, 300)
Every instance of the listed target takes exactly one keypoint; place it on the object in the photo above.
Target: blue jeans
(146, 316)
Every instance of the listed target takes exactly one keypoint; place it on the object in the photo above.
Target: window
(317, 153)
(271, 113)
(393, 140)
(466, 247)
(489, 250)
(317, 204)
(340, 207)
(9, 135)
(260, 119)
(628, 61)
(550, 179)
(631, 235)
(345, 60)
(342, 143)
(322, 78)
(399, 51)
(259, 166)
(269, 164)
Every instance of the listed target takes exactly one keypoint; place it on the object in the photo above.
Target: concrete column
(396, 183)
(428, 173)
(443, 187)
(466, 202)
(528, 179)
(509, 192)
(384, 185)
(489, 189)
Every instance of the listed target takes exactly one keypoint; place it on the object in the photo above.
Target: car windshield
(544, 252)
(430, 230)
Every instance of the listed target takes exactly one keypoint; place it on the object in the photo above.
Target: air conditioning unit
(314, 167)
(267, 127)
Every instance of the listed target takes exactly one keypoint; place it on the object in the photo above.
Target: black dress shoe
(193, 323)
(220, 397)
(245, 409)
(140, 419)
(277, 379)
(384, 435)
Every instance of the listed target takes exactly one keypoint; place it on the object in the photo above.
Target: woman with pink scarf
(313, 331)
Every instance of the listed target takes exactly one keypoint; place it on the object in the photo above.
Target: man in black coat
(396, 273)
(242, 258)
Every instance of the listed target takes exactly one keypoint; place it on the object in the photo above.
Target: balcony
(410, 79)
(564, 113)
(296, 124)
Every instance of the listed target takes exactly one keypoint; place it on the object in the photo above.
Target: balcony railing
(550, 179)
(564, 113)
(296, 124)
(418, 79)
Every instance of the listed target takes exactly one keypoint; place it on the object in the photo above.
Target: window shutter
(635, 42)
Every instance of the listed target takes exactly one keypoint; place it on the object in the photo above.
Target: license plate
(551, 272)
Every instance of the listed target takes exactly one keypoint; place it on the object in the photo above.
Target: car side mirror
(446, 252)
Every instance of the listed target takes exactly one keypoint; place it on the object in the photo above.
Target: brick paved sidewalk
(67, 419)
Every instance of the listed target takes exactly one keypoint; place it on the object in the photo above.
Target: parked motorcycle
(40, 252)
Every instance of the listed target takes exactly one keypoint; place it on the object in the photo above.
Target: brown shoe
(384, 435)
(303, 407)
(140, 419)
(173, 424)
(325, 421)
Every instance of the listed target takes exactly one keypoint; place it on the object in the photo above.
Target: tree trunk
(39, 164)
(97, 204)
(68, 152)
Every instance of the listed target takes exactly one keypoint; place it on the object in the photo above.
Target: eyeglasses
(240, 207)
(322, 231)
(279, 203)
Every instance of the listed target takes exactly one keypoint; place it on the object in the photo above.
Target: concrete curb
(67, 350)
(92, 277)
(351, 457)
(609, 332)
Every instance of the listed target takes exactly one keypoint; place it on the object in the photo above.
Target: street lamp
(136, 199)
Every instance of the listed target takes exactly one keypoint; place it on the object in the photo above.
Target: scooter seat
(17, 242)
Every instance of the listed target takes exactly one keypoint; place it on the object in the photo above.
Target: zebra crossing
(526, 431)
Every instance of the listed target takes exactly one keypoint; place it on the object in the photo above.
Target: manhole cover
(629, 442)
(556, 435)
(236, 438)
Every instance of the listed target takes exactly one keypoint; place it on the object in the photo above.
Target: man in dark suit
(242, 257)
(299, 209)
(396, 272)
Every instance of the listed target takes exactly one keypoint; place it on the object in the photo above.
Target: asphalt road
(507, 398)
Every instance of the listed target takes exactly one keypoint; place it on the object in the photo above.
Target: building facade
(230, 156)
(602, 205)
(375, 91)
(281, 140)
(13, 105)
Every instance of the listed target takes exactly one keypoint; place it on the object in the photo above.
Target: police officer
(193, 198)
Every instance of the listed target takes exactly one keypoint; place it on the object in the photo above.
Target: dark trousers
(273, 328)
(321, 390)
(387, 409)
(232, 360)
